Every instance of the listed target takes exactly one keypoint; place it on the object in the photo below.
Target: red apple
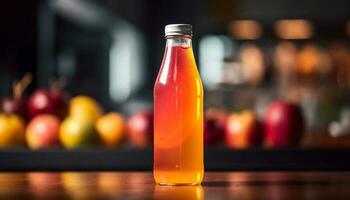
(40, 103)
(218, 114)
(43, 131)
(243, 130)
(17, 104)
(214, 125)
(213, 132)
(284, 124)
(45, 101)
(59, 102)
(140, 128)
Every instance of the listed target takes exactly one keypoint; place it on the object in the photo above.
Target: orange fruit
(111, 129)
(12, 131)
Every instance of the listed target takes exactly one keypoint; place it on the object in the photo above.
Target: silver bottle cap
(178, 29)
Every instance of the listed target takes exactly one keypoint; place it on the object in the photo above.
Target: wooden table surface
(140, 185)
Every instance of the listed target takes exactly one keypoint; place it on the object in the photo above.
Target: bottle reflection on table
(179, 192)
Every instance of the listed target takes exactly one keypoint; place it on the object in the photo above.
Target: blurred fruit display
(254, 72)
(54, 122)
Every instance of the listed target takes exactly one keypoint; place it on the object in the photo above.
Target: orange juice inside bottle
(178, 113)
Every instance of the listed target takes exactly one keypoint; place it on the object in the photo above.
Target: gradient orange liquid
(178, 117)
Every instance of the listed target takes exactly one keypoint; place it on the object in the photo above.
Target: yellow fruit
(84, 107)
(75, 132)
(12, 131)
(111, 129)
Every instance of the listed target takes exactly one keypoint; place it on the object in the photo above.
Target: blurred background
(277, 71)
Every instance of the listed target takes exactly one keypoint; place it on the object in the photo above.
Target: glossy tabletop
(140, 185)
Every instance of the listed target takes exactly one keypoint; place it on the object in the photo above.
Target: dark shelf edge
(216, 159)
(280, 159)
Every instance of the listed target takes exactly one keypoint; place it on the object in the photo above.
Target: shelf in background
(141, 159)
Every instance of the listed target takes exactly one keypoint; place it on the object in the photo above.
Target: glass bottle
(178, 112)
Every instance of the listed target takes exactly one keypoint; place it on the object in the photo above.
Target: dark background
(22, 21)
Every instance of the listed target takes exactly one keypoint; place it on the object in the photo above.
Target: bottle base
(178, 178)
(178, 184)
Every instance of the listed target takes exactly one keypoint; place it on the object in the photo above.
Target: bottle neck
(182, 41)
